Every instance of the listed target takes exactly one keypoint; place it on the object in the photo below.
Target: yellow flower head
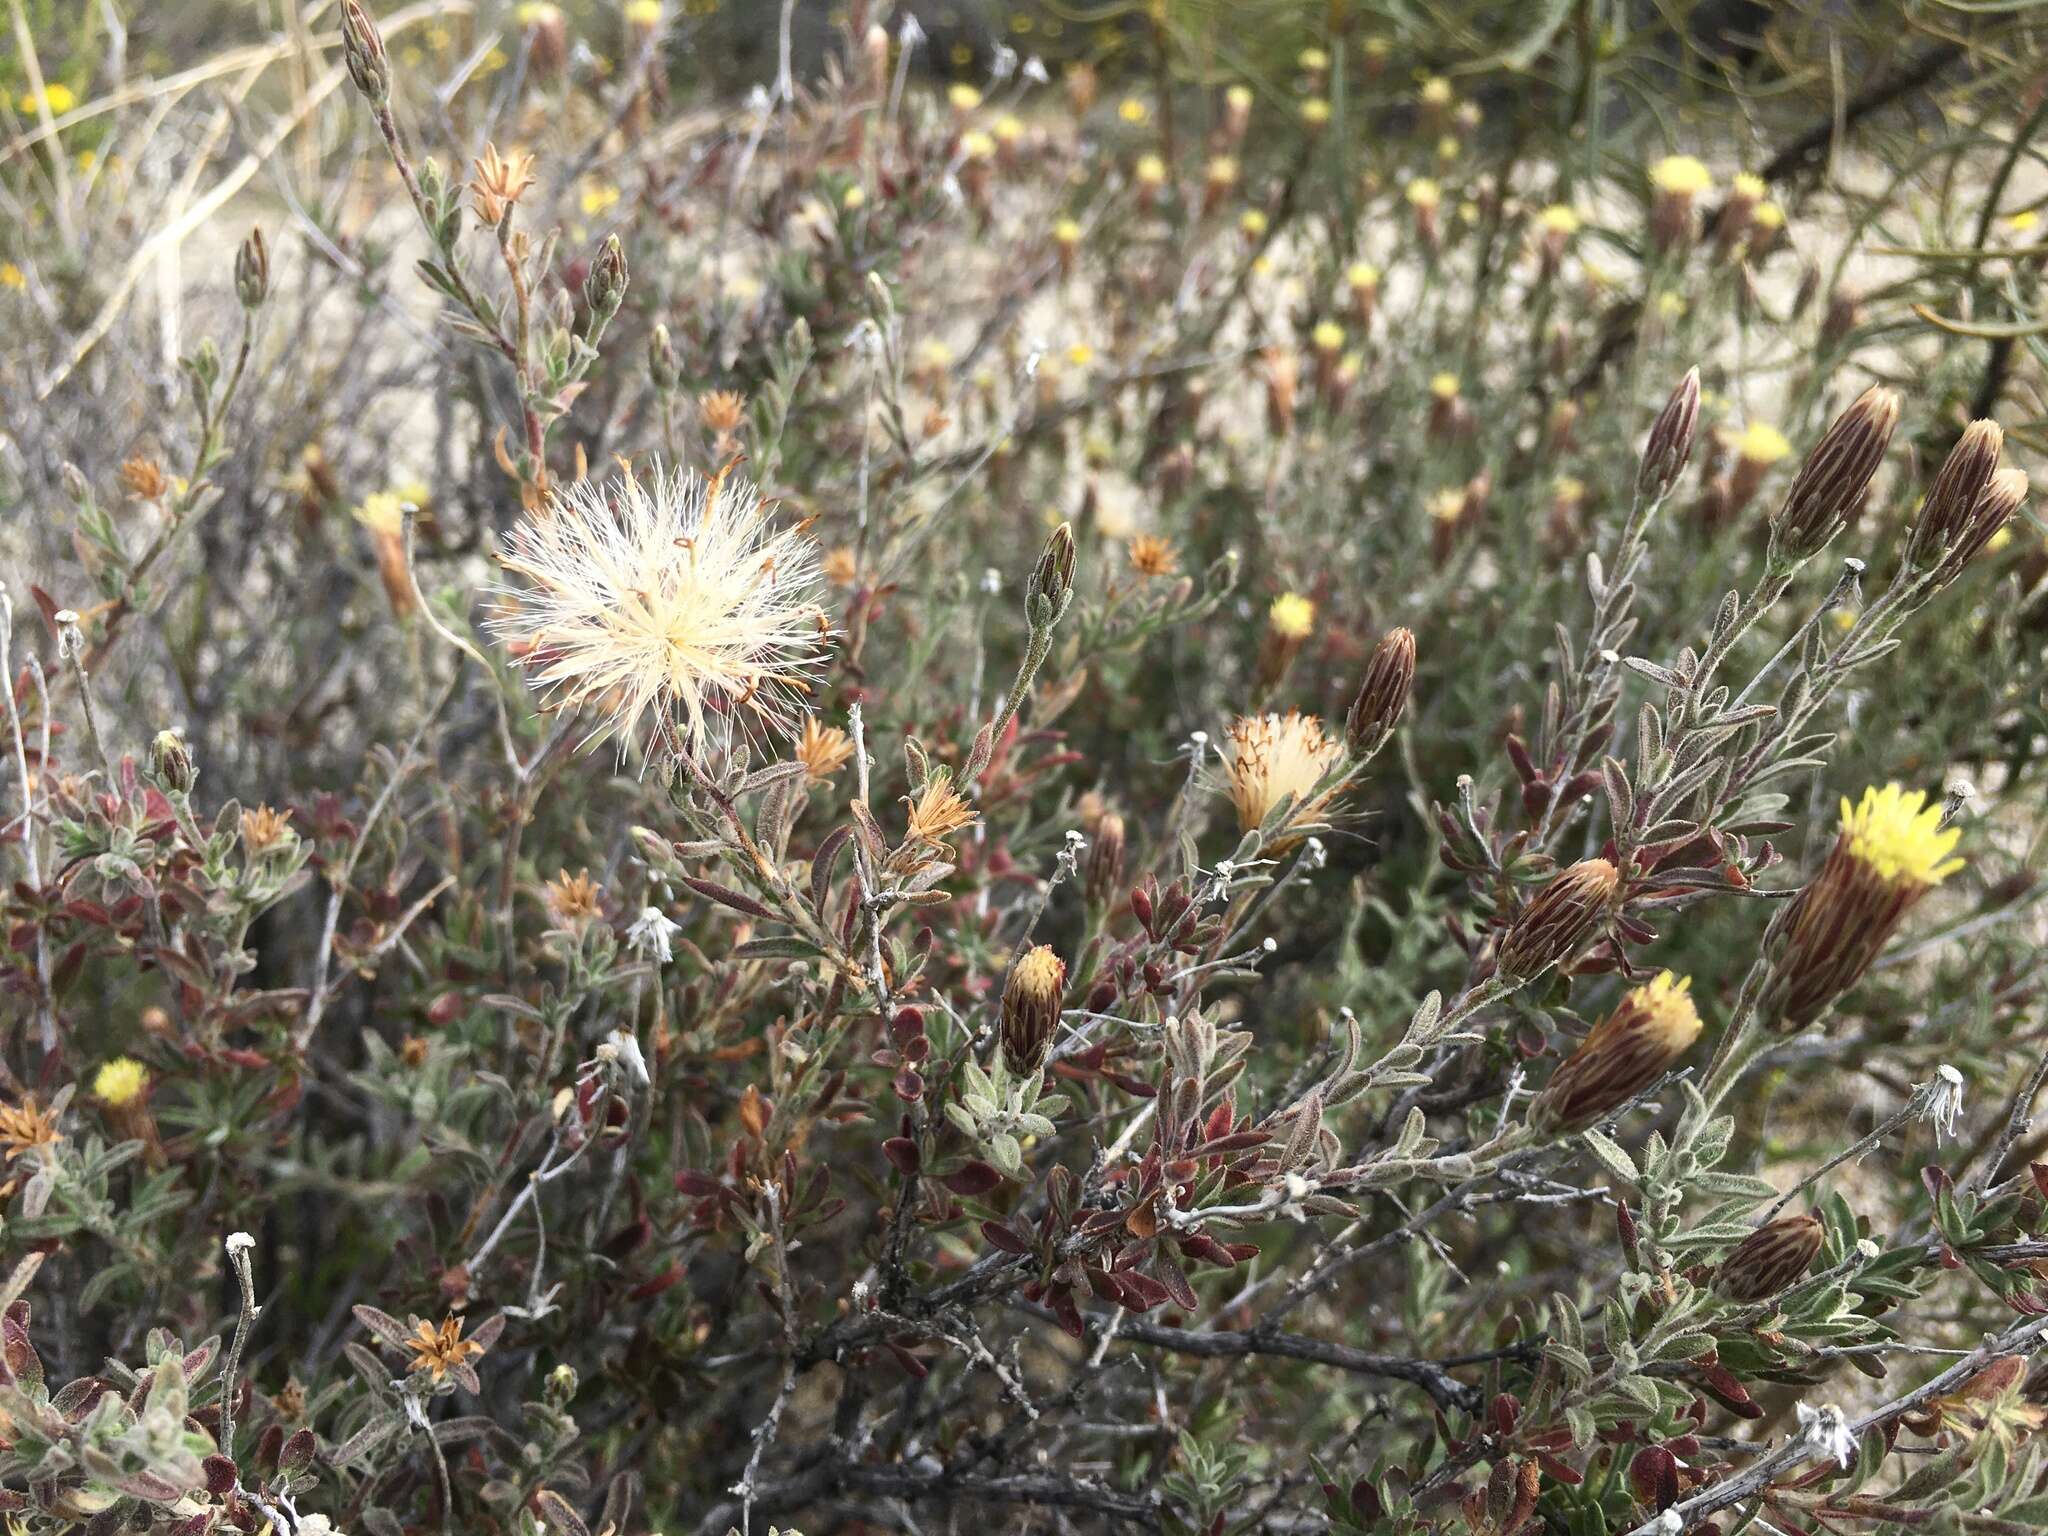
(964, 97)
(976, 145)
(598, 198)
(12, 276)
(1447, 505)
(1315, 111)
(665, 595)
(1132, 110)
(120, 1082)
(643, 13)
(1252, 222)
(1436, 92)
(1681, 176)
(57, 96)
(1362, 274)
(1066, 231)
(1150, 171)
(1750, 188)
(1222, 170)
(1424, 193)
(1239, 98)
(1292, 616)
(1559, 219)
(1900, 835)
(1328, 336)
(1313, 60)
(1768, 216)
(1444, 386)
(1009, 129)
(1762, 444)
(383, 513)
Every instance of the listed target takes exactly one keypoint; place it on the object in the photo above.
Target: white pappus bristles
(664, 593)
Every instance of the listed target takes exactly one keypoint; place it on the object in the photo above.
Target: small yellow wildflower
(1132, 110)
(1681, 176)
(597, 199)
(1762, 443)
(1292, 616)
(58, 97)
(120, 1082)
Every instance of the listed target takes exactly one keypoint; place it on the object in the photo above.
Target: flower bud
(362, 48)
(1561, 920)
(1832, 482)
(252, 271)
(1769, 1259)
(663, 366)
(170, 763)
(1031, 1008)
(1649, 1030)
(605, 287)
(1670, 442)
(1947, 514)
(1052, 581)
(1382, 694)
(2001, 499)
(1104, 876)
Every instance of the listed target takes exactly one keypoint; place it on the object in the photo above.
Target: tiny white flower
(1034, 70)
(627, 1049)
(1005, 63)
(910, 34)
(1671, 1522)
(1945, 1101)
(991, 581)
(651, 934)
(1826, 1429)
(240, 1242)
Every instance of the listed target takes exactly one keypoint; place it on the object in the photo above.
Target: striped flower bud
(1946, 515)
(1565, 916)
(1383, 694)
(1031, 1008)
(1051, 586)
(362, 49)
(1671, 435)
(1104, 875)
(1832, 482)
(2000, 500)
(1772, 1257)
(1649, 1030)
(1891, 850)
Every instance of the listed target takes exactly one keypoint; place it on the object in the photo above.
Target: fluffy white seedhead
(664, 594)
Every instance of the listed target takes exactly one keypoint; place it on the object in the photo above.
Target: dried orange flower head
(438, 1349)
